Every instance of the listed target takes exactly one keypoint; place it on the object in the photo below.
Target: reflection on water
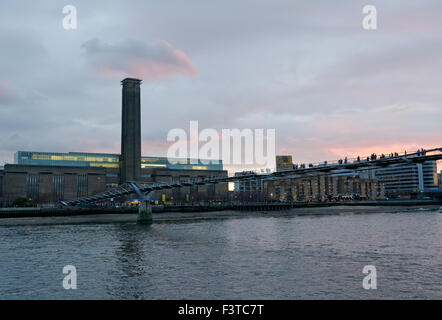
(296, 257)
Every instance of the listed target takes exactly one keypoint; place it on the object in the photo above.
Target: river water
(290, 257)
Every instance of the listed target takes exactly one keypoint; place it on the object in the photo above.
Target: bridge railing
(367, 159)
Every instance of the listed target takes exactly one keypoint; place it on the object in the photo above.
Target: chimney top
(131, 80)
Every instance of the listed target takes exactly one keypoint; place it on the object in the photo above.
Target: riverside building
(407, 180)
(44, 178)
(325, 187)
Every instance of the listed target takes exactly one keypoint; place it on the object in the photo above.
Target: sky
(307, 69)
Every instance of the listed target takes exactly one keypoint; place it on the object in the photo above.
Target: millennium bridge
(144, 190)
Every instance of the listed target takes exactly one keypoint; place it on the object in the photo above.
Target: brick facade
(46, 185)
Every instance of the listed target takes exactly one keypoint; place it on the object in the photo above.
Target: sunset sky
(305, 68)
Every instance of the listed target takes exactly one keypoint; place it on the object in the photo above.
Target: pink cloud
(7, 94)
(137, 59)
(156, 147)
(94, 146)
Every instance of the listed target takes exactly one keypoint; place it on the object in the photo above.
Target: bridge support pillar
(145, 212)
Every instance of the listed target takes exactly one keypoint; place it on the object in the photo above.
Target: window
(32, 186)
(82, 185)
(58, 187)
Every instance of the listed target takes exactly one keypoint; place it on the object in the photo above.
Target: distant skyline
(308, 69)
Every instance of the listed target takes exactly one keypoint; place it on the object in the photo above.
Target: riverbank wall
(262, 207)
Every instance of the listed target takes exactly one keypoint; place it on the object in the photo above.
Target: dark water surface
(247, 258)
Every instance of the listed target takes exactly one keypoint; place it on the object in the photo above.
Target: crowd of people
(372, 157)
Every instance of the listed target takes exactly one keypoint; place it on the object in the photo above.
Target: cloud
(7, 94)
(309, 70)
(137, 59)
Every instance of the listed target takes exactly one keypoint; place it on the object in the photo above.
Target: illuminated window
(105, 165)
(199, 168)
(41, 157)
(152, 165)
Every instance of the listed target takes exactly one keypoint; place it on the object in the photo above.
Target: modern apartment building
(407, 179)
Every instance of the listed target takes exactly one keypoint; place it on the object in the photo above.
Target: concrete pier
(145, 212)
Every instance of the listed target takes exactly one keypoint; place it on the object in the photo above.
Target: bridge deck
(143, 187)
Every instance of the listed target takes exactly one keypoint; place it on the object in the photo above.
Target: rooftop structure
(106, 160)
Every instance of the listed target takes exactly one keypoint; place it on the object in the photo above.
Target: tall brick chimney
(130, 161)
